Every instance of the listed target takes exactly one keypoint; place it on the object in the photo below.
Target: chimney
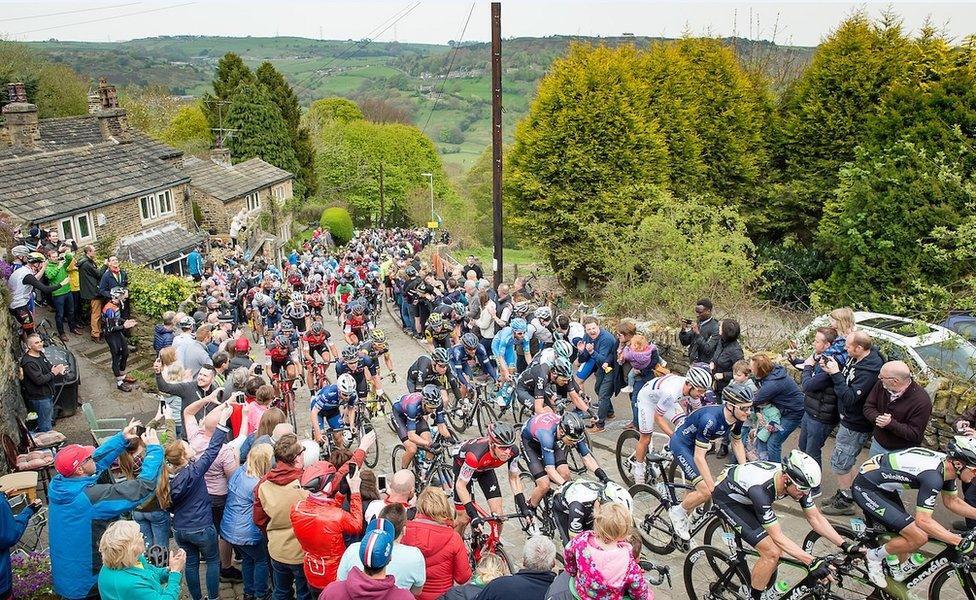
(220, 155)
(94, 102)
(22, 132)
(112, 120)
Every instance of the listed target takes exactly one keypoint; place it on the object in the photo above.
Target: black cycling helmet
(562, 368)
(572, 425)
(283, 340)
(738, 394)
(358, 309)
(439, 356)
(501, 434)
(350, 354)
(317, 327)
(410, 271)
(470, 341)
(431, 396)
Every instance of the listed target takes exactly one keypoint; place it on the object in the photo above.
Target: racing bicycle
(432, 466)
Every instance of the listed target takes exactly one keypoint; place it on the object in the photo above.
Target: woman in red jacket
(320, 524)
(432, 531)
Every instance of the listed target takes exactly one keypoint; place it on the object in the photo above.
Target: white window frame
(252, 201)
(278, 192)
(165, 199)
(74, 228)
(151, 206)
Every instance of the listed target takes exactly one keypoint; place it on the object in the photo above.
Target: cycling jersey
(409, 415)
(317, 341)
(441, 336)
(503, 347)
(699, 429)
(368, 348)
(475, 456)
(355, 323)
(660, 396)
(572, 507)
(295, 310)
(365, 368)
(343, 292)
(422, 373)
(534, 383)
(744, 496)
(542, 448)
(463, 363)
(326, 403)
(540, 332)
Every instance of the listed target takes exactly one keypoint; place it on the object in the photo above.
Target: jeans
(64, 311)
(405, 316)
(774, 445)
(285, 576)
(154, 527)
(44, 407)
(603, 386)
(254, 567)
(637, 384)
(201, 544)
(876, 448)
(813, 434)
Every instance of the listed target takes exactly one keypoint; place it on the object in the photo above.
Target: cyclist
(877, 489)
(545, 439)
(665, 402)
(558, 349)
(506, 348)
(410, 414)
(534, 383)
(318, 342)
(477, 460)
(574, 505)
(363, 370)
(325, 406)
(465, 356)
(268, 311)
(280, 353)
(693, 438)
(744, 495)
(375, 346)
(355, 325)
(343, 293)
(438, 332)
(541, 328)
(433, 369)
(297, 312)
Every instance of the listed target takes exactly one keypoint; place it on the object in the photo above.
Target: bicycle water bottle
(917, 560)
(894, 563)
(781, 587)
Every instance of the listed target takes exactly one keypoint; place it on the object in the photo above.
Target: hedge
(153, 293)
(339, 224)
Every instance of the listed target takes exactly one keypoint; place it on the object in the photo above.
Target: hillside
(412, 76)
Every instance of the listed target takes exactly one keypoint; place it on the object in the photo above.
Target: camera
(220, 395)
(259, 370)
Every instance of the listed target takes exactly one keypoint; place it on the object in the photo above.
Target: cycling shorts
(647, 408)
(277, 366)
(487, 481)
(23, 316)
(534, 459)
(739, 516)
(271, 320)
(332, 416)
(880, 506)
(321, 351)
(298, 323)
(685, 457)
(400, 424)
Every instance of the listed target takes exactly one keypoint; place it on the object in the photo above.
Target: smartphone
(686, 321)
(162, 405)
(220, 395)
(140, 430)
(381, 482)
(258, 370)
(792, 344)
(352, 470)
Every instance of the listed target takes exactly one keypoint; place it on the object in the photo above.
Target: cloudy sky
(437, 21)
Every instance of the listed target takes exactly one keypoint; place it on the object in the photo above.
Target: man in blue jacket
(600, 346)
(194, 264)
(11, 529)
(80, 508)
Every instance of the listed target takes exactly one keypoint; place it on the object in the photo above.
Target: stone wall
(11, 402)
(218, 214)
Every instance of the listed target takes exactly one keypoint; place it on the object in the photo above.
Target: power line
(450, 68)
(131, 14)
(68, 12)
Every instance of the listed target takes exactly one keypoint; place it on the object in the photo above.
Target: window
(165, 201)
(77, 228)
(253, 201)
(147, 207)
(278, 192)
(153, 206)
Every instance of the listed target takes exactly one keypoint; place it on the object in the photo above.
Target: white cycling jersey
(661, 396)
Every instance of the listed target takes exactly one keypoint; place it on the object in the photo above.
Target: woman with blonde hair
(602, 561)
(237, 525)
(489, 567)
(153, 520)
(432, 531)
(125, 572)
(842, 319)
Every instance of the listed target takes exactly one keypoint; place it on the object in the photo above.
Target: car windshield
(950, 356)
(966, 330)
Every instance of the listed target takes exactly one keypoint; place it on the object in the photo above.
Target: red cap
(320, 468)
(70, 458)
(242, 345)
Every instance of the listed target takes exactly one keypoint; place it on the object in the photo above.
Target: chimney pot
(16, 92)
(107, 94)
(21, 128)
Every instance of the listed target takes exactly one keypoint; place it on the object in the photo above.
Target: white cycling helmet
(699, 377)
(346, 384)
(543, 313)
(310, 454)
(803, 470)
(614, 492)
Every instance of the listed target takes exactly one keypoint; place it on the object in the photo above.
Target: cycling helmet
(562, 348)
(187, 323)
(310, 453)
(318, 475)
(350, 354)
(371, 276)
(347, 385)
(519, 325)
(282, 340)
(287, 325)
(431, 396)
(501, 434)
(736, 393)
(963, 449)
(35, 258)
(699, 377)
(614, 492)
(802, 469)
(118, 292)
(410, 271)
(460, 308)
(358, 309)
(543, 313)
(260, 298)
(435, 320)
(562, 368)
(470, 341)
(379, 336)
(439, 356)
(522, 308)
(318, 327)
(572, 425)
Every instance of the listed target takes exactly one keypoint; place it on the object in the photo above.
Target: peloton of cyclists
(410, 418)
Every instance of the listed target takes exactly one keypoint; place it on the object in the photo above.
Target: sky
(437, 21)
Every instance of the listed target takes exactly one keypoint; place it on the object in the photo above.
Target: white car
(927, 348)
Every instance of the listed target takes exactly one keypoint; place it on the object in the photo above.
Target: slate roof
(167, 241)
(227, 183)
(75, 132)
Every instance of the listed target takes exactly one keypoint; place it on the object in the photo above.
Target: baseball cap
(242, 345)
(381, 524)
(70, 458)
(376, 549)
(225, 317)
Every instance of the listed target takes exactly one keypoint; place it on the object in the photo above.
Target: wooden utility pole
(496, 138)
(382, 198)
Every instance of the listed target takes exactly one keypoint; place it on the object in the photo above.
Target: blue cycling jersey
(462, 363)
(703, 426)
(503, 346)
(326, 399)
(541, 430)
(410, 407)
(365, 364)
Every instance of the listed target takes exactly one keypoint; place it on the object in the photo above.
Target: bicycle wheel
(711, 574)
(654, 526)
(574, 461)
(626, 449)
(396, 458)
(372, 455)
(500, 552)
(855, 578)
(460, 413)
(255, 336)
(486, 415)
(950, 584)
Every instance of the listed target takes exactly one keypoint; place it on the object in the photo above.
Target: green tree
(338, 222)
(150, 109)
(333, 110)
(231, 75)
(287, 102)
(189, 130)
(54, 88)
(260, 131)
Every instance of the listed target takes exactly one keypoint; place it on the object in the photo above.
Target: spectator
(533, 580)
(369, 489)
(22, 283)
(114, 327)
(852, 386)
(38, 381)
(11, 530)
(489, 568)
(238, 526)
(472, 265)
(112, 277)
(241, 358)
(125, 572)
(78, 321)
(602, 560)
(777, 388)
(267, 432)
(163, 332)
(275, 494)
(600, 347)
(485, 322)
(194, 354)
(89, 278)
(400, 490)
(899, 408)
(194, 264)
(700, 335)
(322, 525)
(820, 402)
(369, 581)
(727, 353)
(187, 391)
(64, 307)
(471, 299)
(80, 508)
(153, 520)
(184, 335)
(406, 564)
(432, 532)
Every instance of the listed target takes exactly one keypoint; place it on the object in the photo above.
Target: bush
(310, 212)
(339, 224)
(152, 293)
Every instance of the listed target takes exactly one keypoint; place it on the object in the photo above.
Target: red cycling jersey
(474, 456)
(316, 341)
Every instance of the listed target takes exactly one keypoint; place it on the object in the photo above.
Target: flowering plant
(5, 269)
(32, 576)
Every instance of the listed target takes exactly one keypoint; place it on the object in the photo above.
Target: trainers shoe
(596, 428)
(680, 523)
(839, 506)
(876, 572)
(231, 574)
(125, 387)
(638, 472)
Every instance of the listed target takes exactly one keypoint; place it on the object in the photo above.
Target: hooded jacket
(162, 337)
(145, 581)
(11, 529)
(274, 496)
(524, 585)
(852, 386)
(781, 391)
(237, 525)
(191, 505)
(80, 510)
(357, 586)
(320, 526)
(88, 278)
(444, 552)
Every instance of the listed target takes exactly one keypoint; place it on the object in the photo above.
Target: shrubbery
(338, 222)
(152, 293)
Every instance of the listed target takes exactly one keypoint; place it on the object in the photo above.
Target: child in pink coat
(602, 563)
